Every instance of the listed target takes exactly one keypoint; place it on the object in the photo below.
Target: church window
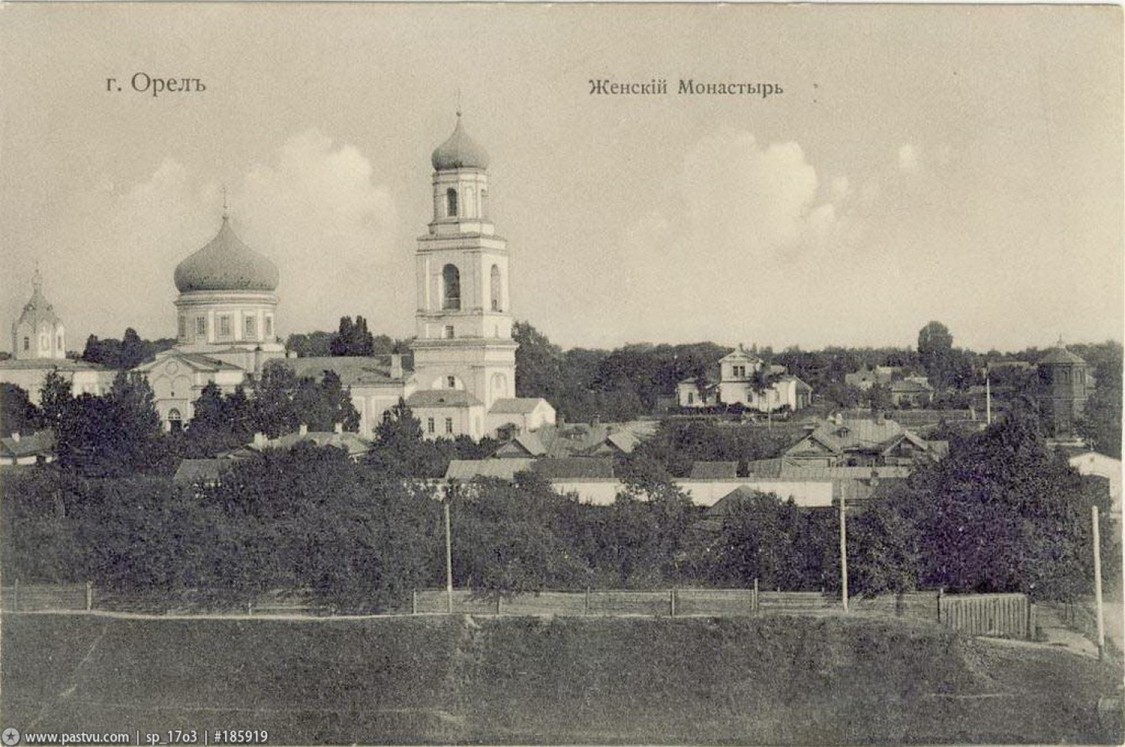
(495, 288)
(27, 343)
(181, 327)
(451, 202)
(251, 328)
(201, 326)
(690, 398)
(269, 326)
(58, 342)
(429, 425)
(44, 341)
(451, 382)
(450, 287)
(449, 425)
(484, 203)
(175, 420)
(224, 325)
(448, 332)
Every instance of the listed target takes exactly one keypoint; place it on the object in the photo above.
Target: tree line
(1001, 513)
(587, 385)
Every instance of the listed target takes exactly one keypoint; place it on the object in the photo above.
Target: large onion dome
(459, 152)
(226, 264)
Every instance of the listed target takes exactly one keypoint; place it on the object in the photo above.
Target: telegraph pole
(843, 553)
(988, 394)
(448, 551)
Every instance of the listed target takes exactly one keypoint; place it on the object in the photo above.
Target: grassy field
(769, 680)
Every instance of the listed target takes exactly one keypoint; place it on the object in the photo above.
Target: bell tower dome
(463, 322)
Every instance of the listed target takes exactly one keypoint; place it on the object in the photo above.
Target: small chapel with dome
(463, 382)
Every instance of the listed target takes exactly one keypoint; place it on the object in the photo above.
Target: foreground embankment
(767, 680)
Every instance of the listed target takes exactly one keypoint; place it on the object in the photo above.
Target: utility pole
(987, 394)
(843, 553)
(448, 551)
(1098, 582)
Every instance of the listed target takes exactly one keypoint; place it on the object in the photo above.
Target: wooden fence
(1007, 615)
(1010, 615)
(43, 597)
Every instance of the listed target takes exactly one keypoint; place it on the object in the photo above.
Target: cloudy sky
(954, 163)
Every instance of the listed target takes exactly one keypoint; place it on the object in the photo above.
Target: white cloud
(318, 214)
(841, 189)
(908, 160)
(315, 210)
(744, 219)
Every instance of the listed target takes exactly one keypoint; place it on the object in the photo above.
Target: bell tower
(463, 322)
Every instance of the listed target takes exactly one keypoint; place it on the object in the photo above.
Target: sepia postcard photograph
(578, 374)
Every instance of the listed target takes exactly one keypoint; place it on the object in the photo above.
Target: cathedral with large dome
(463, 382)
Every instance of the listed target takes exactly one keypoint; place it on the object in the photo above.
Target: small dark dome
(1061, 356)
(226, 264)
(459, 152)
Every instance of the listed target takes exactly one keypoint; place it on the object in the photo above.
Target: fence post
(89, 595)
(672, 603)
(414, 601)
(754, 598)
(587, 604)
(939, 604)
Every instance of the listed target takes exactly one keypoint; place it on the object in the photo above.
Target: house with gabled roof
(703, 470)
(911, 392)
(862, 442)
(572, 440)
(744, 378)
(34, 448)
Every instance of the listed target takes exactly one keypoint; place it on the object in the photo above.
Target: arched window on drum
(450, 288)
(496, 289)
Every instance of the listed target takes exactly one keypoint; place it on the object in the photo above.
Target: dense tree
(648, 525)
(353, 338)
(55, 397)
(1101, 420)
(935, 352)
(765, 539)
(882, 548)
(677, 444)
(115, 435)
(507, 537)
(133, 350)
(126, 353)
(283, 402)
(878, 398)
(17, 414)
(220, 422)
(1002, 513)
(312, 344)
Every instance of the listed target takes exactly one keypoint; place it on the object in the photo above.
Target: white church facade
(463, 380)
(39, 347)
